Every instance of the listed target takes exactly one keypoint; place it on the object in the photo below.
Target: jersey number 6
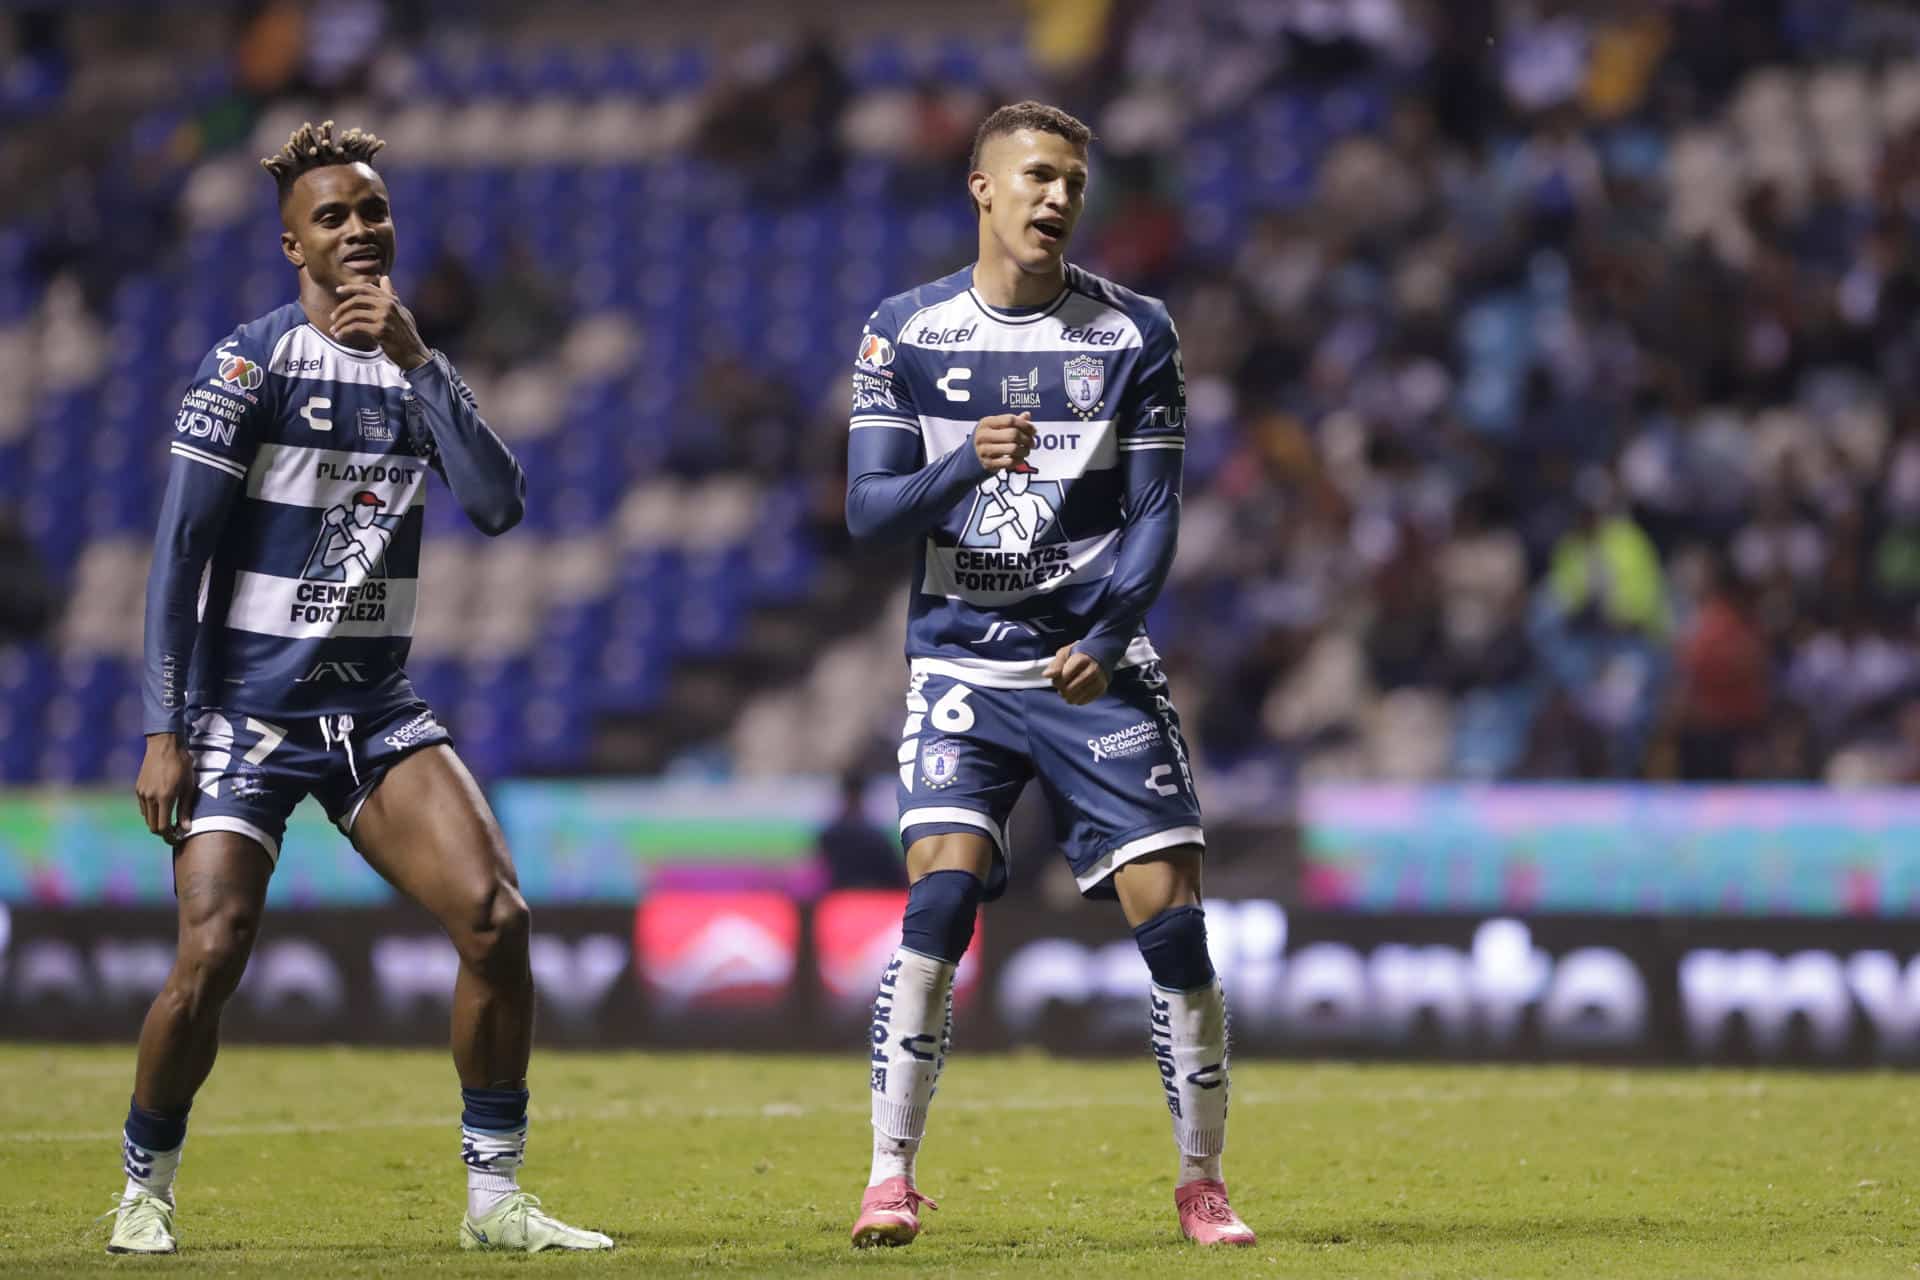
(951, 714)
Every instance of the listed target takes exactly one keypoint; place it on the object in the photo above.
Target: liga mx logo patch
(940, 763)
(1086, 379)
(241, 372)
(875, 352)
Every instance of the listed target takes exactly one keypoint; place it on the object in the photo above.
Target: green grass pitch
(345, 1162)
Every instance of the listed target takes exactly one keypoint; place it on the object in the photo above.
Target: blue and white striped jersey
(288, 557)
(1072, 549)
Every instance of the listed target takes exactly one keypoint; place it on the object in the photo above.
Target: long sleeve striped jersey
(1074, 546)
(287, 561)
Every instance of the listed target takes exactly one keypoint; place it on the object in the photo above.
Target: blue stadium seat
(554, 70)
(441, 681)
(443, 519)
(20, 740)
(18, 298)
(962, 63)
(13, 472)
(615, 71)
(680, 70)
(647, 580)
(109, 510)
(880, 63)
(630, 677)
(505, 678)
(551, 734)
(780, 567)
(27, 676)
(482, 729)
(32, 86)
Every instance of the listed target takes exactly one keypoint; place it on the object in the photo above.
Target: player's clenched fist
(372, 313)
(1077, 677)
(1004, 440)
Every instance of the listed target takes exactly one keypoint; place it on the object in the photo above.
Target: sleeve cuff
(433, 365)
(1106, 650)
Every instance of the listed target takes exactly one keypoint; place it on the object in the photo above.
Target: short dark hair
(1033, 115)
(314, 146)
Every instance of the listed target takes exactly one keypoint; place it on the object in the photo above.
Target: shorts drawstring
(335, 730)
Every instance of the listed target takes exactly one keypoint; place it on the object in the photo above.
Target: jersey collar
(1021, 315)
(375, 354)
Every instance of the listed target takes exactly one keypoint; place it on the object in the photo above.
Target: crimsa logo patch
(1086, 379)
(236, 370)
(1021, 390)
(940, 763)
(374, 425)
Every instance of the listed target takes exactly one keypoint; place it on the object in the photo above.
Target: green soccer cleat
(142, 1223)
(518, 1225)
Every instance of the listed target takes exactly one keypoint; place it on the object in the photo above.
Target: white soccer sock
(493, 1158)
(150, 1171)
(912, 1029)
(1190, 1049)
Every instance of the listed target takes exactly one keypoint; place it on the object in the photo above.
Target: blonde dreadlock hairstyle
(314, 146)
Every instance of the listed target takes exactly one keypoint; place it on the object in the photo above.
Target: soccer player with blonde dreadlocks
(279, 612)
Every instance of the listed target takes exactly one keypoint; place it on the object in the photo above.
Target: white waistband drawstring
(335, 730)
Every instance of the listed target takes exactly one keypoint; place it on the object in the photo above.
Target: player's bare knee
(493, 939)
(1159, 882)
(212, 957)
(950, 851)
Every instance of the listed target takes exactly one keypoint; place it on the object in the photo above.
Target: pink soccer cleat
(1205, 1215)
(890, 1214)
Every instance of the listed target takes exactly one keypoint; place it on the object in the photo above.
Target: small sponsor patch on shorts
(1130, 741)
(419, 729)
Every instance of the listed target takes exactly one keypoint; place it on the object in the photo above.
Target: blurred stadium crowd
(1554, 369)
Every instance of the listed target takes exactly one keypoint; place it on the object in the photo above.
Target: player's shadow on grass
(1417, 1231)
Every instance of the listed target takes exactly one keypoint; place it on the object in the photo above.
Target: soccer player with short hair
(1022, 422)
(279, 613)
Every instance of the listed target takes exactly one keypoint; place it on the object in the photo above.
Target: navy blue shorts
(253, 771)
(1114, 771)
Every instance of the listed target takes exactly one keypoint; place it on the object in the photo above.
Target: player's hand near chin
(1076, 676)
(165, 787)
(369, 314)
